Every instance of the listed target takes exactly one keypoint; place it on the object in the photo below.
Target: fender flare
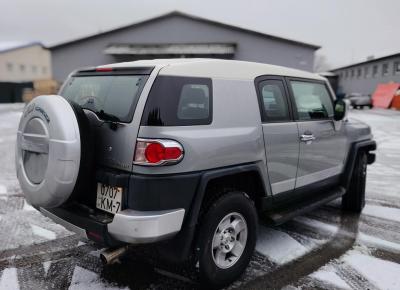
(365, 146)
(183, 244)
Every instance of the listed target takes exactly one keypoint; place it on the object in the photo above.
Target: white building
(24, 62)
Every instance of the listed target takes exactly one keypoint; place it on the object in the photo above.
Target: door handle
(308, 138)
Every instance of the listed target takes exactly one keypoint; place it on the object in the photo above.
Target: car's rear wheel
(227, 239)
(354, 199)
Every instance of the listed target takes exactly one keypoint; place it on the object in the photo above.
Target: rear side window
(313, 100)
(274, 101)
(179, 101)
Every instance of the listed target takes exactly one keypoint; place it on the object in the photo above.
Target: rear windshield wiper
(107, 117)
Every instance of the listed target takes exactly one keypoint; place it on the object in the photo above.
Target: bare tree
(320, 63)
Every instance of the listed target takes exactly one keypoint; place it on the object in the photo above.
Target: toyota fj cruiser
(185, 153)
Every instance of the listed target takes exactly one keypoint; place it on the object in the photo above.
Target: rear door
(109, 99)
(280, 134)
(322, 142)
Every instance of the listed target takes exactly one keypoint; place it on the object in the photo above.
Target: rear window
(179, 101)
(111, 97)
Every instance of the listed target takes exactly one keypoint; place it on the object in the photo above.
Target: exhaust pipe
(109, 256)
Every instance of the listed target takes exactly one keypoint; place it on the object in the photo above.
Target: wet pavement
(324, 249)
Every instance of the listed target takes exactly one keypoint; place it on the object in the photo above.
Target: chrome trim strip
(73, 228)
(138, 227)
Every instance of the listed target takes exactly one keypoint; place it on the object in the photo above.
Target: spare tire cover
(48, 151)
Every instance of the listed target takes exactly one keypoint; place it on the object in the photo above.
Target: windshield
(111, 97)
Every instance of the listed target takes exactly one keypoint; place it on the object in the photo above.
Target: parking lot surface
(325, 249)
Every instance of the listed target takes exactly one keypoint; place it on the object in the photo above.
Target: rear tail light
(153, 152)
(104, 69)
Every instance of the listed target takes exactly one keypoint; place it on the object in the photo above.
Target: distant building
(363, 77)
(179, 35)
(23, 66)
(24, 62)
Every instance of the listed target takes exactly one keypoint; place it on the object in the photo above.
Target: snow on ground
(382, 212)
(83, 279)
(278, 248)
(383, 274)
(9, 279)
(328, 275)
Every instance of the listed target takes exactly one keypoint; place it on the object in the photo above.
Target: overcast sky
(348, 30)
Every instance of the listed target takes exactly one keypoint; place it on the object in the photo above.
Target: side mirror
(341, 107)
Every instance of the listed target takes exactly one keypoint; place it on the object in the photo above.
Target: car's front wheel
(354, 199)
(228, 236)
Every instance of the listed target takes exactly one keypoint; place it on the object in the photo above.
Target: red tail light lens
(157, 152)
(104, 69)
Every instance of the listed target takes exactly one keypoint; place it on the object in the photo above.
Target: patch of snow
(388, 213)
(279, 246)
(83, 279)
(317, 224)
(383, 274)
(378, 243)
(27, 206)
(327, 274)
(3, 189)
(41, 232)
(80, 243)
(46, 267)
(9, 279)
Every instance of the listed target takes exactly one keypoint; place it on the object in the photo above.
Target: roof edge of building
(366, 61)
(23, 45)
(189, 16)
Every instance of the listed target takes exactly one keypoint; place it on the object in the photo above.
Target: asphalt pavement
(324, 249)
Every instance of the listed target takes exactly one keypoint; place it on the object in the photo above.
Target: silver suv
(185, 153)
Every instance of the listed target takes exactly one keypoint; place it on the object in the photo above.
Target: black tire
(85, 180)
(354, 199)
(211, 275)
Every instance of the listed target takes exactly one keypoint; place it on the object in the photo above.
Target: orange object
(396, 102)
(383, 95)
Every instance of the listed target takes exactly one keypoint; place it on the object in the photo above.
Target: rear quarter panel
(233, 137)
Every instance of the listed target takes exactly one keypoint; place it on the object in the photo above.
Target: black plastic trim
(366, 146)
(96, 229)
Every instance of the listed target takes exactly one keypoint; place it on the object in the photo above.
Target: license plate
(109, 198)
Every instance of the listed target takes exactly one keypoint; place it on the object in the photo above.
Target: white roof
(217, 68)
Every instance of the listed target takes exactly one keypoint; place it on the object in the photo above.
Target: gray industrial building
(178, 34)
(363, 77)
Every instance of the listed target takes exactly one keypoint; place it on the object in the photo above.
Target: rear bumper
(132, 226)
(129, 226)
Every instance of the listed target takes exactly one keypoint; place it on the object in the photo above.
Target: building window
(22, 68)
(359, 72)
(352, 73)
(34, 69)
(385, 69)
(346, 74)
(366, 71)
(44, 70)
(374, 71)
(10, 67)
(396, 68)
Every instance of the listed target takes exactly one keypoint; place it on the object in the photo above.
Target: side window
(273, 101)
(313, 100)
(179, 101)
